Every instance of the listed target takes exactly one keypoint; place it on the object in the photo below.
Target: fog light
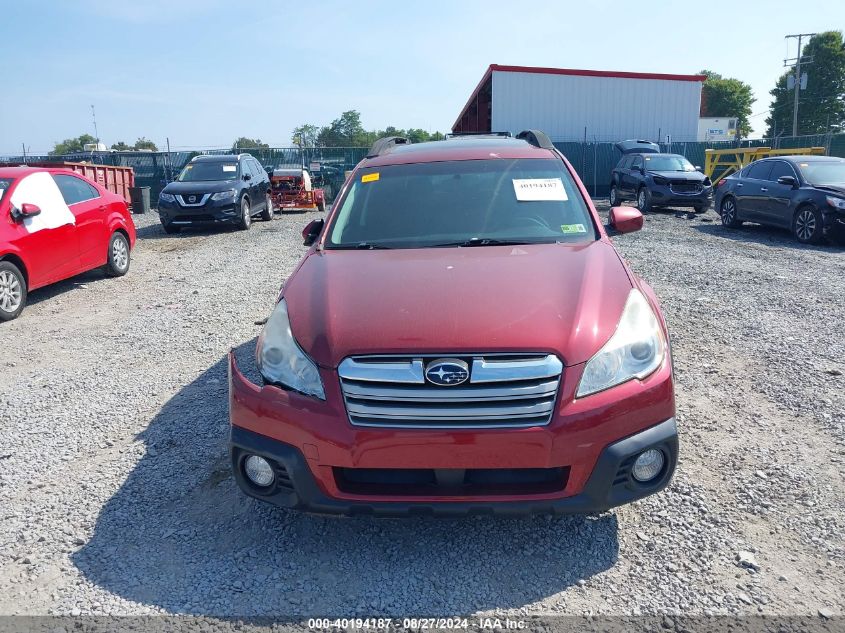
(259, 471)
(648, 465)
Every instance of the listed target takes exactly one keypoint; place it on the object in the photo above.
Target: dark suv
(653, 179)
(221, 189)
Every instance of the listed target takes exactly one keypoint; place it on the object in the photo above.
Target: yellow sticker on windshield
(369, 177)
(572, 228)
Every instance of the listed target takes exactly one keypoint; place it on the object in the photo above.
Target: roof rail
(536, 138)
(451, 134)
(384, 145)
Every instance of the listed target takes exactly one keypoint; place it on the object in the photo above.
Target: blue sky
(205, 72)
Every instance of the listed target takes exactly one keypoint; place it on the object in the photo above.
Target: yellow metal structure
(719, 163)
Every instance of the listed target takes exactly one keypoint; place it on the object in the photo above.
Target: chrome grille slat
(481, 393)
(503, 391)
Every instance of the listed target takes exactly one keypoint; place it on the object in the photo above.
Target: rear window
(5, 184)
(451, 202)
(205, 171)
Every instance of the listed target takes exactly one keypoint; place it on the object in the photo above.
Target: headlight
(224, 195)
(836, 203)
(660, 180)
(635, 350)
(166, 197)
(281, 361)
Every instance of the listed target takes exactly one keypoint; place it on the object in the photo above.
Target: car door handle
(739, 185)
(763, 189)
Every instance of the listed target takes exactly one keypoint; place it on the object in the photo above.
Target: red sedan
(55, 224)
(461, 338)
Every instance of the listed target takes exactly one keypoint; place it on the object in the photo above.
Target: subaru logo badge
(447, 372)
(192, 198)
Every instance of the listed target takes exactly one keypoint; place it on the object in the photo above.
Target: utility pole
(94, 118)
(23, 147)
(797, 60)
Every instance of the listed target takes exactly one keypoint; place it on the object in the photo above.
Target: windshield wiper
(360, 245)
(483, 241)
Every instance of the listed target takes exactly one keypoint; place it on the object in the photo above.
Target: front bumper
(835, 227)
(663, 195)
(595, 439)
(211, 213)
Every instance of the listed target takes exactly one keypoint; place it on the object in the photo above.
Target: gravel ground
(116, 497)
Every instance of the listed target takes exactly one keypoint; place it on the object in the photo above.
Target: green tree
(72, 145)
(345, 131)
(305, 135)
(821, 106)
(120, 146)
(727, 97)
(143, 143)
(249, 143)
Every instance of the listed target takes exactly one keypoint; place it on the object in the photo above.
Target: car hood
(637, 147)
(690, 176)
(837, 189)
(565, 299)
(208, 186)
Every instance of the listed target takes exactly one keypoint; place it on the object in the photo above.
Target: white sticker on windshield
(230, 168)
(527, 189)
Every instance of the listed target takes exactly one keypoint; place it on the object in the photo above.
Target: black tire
(321, 206)
(119, 255)
(12, 291)
(246, 215)
(808, 225)
(700, 208)
(170, 229)
(267, 214)
(727, 211)
(644, 200)
(614, 196)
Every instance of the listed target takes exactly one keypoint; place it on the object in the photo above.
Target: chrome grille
(502, 391)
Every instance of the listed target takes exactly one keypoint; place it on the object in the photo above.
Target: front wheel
(12, 291)
(170, 229)
(644, 200)
(727, 211)
(246, 215)
(700, 208)
(118, 260)
(808, 225)
(614, 196)
(321, 206)
(267, 214)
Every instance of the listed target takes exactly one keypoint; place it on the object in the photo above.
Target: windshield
(668, 162)
(5, 183)
(203, 171)
(462, 203)
(823, 172)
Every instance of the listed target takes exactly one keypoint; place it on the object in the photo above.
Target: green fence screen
(592, 161)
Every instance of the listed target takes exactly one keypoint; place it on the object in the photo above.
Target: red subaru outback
(461, 337)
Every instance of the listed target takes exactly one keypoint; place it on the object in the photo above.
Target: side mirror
(698, 168)
(788, 180)
(312, 231)
(27, 210)
(247, 177)
(625, 219)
